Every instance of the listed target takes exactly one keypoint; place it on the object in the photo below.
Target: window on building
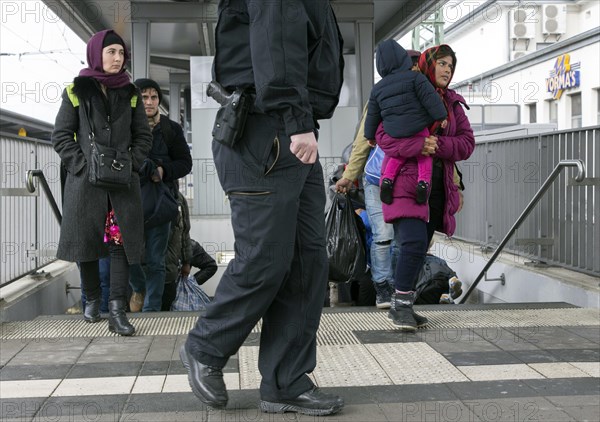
(576, 110)
(553, 116)
(532, 109)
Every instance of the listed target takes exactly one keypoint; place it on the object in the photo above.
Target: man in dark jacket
(171, 156)
(288, 55)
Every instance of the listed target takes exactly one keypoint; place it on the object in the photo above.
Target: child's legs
(425, 167)
(393, 168)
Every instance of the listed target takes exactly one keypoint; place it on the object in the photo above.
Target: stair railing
(30, 185)
(561, 164)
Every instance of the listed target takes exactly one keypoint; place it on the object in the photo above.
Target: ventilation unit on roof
(522, 23)
(554, 19)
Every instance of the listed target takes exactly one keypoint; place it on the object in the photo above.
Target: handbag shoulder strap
(86, 109)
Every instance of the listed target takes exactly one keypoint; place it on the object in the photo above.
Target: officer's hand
(304, 146)
(185, 270)
(343, 185)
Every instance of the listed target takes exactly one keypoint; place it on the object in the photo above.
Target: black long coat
(118, 124)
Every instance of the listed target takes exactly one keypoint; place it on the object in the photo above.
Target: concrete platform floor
(509, 362)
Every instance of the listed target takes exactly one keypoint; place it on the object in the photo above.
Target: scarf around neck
(95, 69)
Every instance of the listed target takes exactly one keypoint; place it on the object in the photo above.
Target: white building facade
(527, 62)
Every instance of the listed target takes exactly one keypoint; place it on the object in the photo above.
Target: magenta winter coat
(456, 144)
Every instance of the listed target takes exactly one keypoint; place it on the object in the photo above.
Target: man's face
(150, 97)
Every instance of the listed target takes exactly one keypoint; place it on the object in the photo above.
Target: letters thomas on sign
(564, 76)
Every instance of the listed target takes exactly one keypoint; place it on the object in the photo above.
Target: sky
(39, 56)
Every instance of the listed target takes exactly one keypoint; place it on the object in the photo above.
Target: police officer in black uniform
(288, 55)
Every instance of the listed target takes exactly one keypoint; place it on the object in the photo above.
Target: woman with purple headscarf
(98, 222)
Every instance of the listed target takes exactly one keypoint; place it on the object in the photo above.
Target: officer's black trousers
(279, 272)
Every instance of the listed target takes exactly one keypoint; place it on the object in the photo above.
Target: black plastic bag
(345, 241)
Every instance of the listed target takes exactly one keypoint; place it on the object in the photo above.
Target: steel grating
(336, 327)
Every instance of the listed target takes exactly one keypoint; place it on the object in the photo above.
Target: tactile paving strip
(331, 338)
(414, 363)
(249, 373)
(513, 318)
(70, 328)
(336, 327)
(355, 321)
(248, 366)
(350, 365)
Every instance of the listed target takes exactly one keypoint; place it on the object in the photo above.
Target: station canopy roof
(180, 29)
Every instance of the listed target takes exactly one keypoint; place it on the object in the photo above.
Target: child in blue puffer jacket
(407, 103)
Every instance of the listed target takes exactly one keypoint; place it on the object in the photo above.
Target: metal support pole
(140, 49)
(175, 102)
(364, 60)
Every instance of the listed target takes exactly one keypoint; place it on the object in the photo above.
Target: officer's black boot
(117, 319)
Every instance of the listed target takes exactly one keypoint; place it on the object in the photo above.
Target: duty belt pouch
(231, 119)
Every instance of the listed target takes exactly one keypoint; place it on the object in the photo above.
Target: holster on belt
(231, 117)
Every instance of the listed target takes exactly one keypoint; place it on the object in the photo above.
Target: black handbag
(108, 168)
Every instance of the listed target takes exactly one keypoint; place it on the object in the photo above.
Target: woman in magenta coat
(414, 224)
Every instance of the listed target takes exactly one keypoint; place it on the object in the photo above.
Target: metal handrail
(564, 163)
(31, 174)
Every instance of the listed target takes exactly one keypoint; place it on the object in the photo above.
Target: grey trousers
(280, 270)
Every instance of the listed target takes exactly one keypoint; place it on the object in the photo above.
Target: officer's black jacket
(289, 51)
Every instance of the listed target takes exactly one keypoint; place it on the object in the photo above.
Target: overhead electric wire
(39, 51)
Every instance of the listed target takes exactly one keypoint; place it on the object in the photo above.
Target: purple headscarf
(94, 59)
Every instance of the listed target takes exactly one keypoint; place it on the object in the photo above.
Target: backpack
(373, 166)
(433, 280)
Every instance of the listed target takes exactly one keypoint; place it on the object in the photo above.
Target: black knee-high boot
(117, 319)
(119, 277)
(90, 283)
